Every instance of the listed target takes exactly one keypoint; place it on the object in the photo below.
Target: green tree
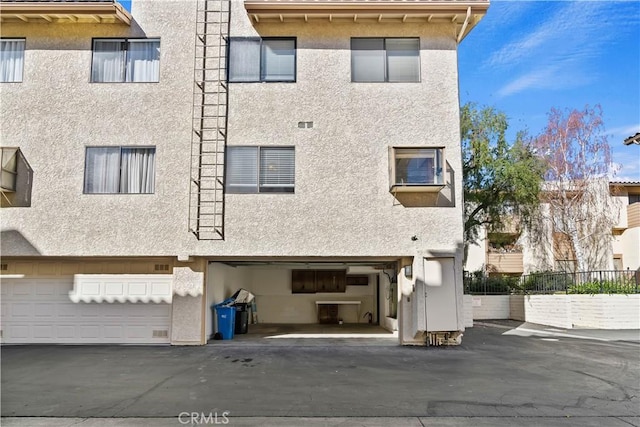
(501, 180)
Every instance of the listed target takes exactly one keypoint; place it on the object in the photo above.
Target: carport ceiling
(371, 267)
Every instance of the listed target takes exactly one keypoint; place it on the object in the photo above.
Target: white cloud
(623, 132)
(568, 30)
(557, 52)
(628, 160)
(562, 75)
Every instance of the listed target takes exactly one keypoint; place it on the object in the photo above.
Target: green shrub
(546, 281)
(626, 286)
(478, 283)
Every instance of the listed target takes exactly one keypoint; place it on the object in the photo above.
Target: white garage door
(40, 311)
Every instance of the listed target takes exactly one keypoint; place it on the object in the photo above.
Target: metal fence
(585, 282)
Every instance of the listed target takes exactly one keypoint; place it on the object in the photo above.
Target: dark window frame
(404, 152)
(126, 41)
(258, 189)
(24, 57)
(386, 60)
(260, 62)
(120, 147)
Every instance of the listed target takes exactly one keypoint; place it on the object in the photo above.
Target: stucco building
(157, 160)
(515, 249)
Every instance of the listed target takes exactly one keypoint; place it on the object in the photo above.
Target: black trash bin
(242, 319)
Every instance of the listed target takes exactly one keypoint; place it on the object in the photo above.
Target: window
(111, 170)
(617, 262)
(125, 60)
(385, 60)
(11, 60)
(9, 157)
(634, 198)
(414, 167)
(16, 178)
(262, 60)
(260, 170)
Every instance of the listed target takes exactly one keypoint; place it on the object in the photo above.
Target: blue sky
(526, 57)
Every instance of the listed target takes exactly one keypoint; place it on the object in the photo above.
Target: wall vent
(163, 333)
(161, 267)
(4, 267)
(305, 125)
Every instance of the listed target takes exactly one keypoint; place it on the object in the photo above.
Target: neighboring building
(514, 251)
(626, 235)
(140, 186)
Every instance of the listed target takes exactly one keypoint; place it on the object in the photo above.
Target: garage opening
(301, 302)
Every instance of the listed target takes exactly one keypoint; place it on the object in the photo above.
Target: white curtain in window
(367, 60)
(278, 60)
(244, 60)
(277, 169)
(102, 170)
(137, 170)
(242, 169)
(143, 63)
(109, 58)
(11, 60)
(403, 60)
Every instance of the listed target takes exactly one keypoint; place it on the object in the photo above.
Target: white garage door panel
(40, 311)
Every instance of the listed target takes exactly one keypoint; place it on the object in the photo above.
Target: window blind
(244, 60)
(277, 169)
(242, 169)
(403, 60)
(278, 60)
(367, 60)
(385, 60)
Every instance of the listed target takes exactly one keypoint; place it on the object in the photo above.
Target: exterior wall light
(408, 271)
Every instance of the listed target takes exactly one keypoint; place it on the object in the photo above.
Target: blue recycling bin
(226, 316)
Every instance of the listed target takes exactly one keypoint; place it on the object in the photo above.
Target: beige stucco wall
(341, 207)
(476, 256)
(55, 113)
(627, 244)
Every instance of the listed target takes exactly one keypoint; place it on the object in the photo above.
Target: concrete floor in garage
(504, 373)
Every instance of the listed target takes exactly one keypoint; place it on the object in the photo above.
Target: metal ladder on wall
(209, 136)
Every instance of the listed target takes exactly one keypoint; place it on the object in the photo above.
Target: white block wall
(584, 311)
(562, 311)
(468, 311)
(490, 307)
(552, 310)
(606, 311)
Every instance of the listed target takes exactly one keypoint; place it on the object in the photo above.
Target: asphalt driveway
(495, 373)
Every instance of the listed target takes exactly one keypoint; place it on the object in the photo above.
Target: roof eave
(54, 12)
(466, 14)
